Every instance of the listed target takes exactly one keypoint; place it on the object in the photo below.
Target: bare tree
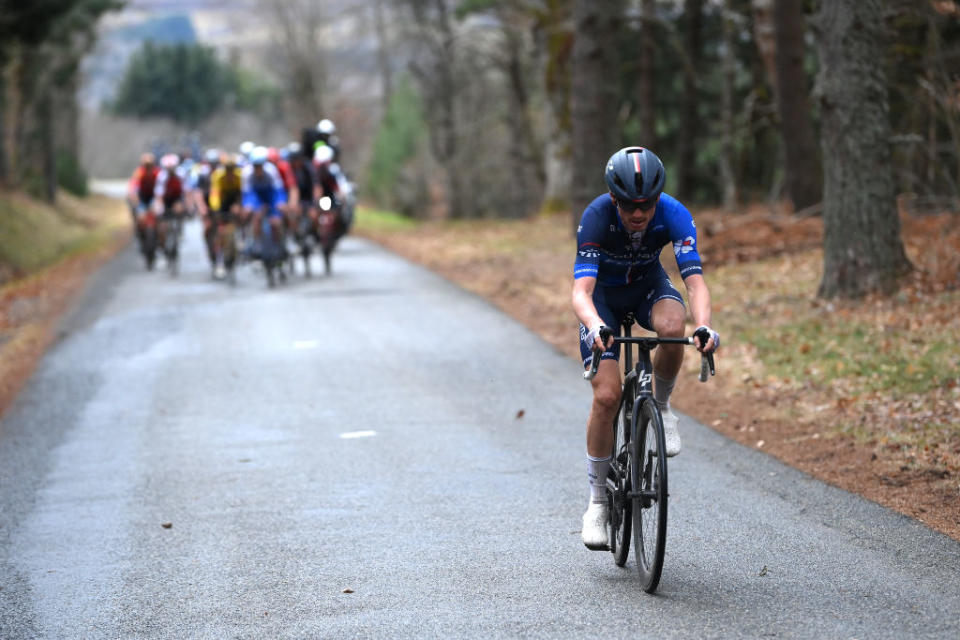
(383, 57)
(731, 195)
(689, 117)
(648, 119)
(863, 250)
(296, 33)
(802, 163)
(594, 100)
(434, 67)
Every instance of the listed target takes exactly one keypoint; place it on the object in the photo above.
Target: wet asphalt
(342, 457)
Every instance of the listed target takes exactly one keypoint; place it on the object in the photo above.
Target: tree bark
(863, 251)
(689, 117)
(383, 57)
(731, 195)
(648, 119)
(525, 151)
(593, 99)
(802, 166)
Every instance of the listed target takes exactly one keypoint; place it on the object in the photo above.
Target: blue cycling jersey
(608, 252)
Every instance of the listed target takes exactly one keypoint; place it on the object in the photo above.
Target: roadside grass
(46, 254)
(863, 394)
(34, 234)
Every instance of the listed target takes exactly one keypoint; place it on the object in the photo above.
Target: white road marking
(358, 434)
(306, 344)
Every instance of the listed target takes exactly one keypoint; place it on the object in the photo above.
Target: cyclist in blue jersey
(617, 271)
(263, 194)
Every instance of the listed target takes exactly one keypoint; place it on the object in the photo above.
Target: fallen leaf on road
(520, 414)
(348, 591)
(763, 571)
(167, 525)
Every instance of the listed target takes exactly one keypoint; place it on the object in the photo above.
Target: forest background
(787, 126)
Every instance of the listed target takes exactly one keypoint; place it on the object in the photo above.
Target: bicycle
(637, 481)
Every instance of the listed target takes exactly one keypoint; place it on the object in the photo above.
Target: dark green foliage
(184, 82)
(396, 146)
(70, 175)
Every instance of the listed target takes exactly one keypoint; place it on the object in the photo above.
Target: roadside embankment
(46, 255)
(863, 395)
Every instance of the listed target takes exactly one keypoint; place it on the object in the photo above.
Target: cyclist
(263, 194)
(226, 193)
(324, 134)
(140, 190)
(617, 270)
(169, 195)
(200, 182)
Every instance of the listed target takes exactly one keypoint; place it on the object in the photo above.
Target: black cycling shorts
(613, 304)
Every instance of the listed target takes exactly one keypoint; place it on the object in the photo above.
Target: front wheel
(648, 477)
(618, 483)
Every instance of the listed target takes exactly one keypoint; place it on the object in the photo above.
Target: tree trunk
(863, 252)
(525, 152)
(383, 56)
(689, 117)
(557, 37)
(593, 99)
(648, 119)
(802, 167)
(764, 33)
(4, 165)
(48, 150)
(731, 196)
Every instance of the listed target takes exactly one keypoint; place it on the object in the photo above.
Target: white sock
(597, 469)
(662, 388)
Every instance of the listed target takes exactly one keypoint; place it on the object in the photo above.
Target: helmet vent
(638, 183)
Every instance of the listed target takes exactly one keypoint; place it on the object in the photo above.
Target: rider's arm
(586, 268)
(699, 299)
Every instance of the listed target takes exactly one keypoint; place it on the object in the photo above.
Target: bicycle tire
(648, 475)
(619, 483)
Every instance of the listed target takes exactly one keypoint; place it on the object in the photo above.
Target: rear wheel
(618, 482)
(648, 477)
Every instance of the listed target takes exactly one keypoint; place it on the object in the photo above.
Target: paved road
(360, 433)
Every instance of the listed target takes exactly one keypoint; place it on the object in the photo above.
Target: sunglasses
(629, 207)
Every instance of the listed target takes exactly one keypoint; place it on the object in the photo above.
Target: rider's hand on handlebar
(594, 339)
(712, 343)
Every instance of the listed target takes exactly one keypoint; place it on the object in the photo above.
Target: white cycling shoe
(670, 432)
(595, 522)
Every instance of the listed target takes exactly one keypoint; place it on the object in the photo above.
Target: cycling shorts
(613, 304)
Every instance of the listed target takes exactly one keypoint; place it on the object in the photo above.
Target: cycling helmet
(327, 127)
(294, 149)
(212, 156)
(258, 155)
(635, 174)
(169, 161)
(323, 154)
(246, 148)
(148, 159)
(273, 155)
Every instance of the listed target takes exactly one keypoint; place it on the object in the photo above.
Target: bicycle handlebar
(707, 368)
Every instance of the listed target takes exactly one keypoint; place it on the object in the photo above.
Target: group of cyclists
(252, 203)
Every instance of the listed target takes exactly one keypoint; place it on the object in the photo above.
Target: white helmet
(169, 161)
(323, 154)
(246, 148)
(327, 127)
(258, 155)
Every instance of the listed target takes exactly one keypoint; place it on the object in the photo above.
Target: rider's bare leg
(606, 400)
(668, 318)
